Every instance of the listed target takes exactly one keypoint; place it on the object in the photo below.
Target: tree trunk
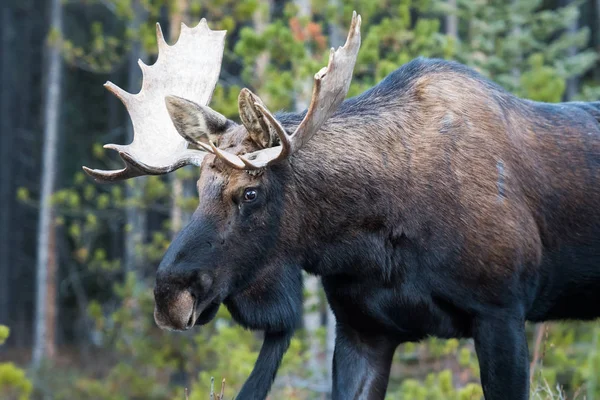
(592, 383)
(178, 16)
(336, 38)
(330, 347)
(573, 82)
(596, 22)
(304, 95)
(312, 322)
(135, 231)
(516, 71)
(115, 125)
(176, 211)
(51, 292)
(46, 259)
(311, 318)
(452, 21)
(6, 148)
(260, 19)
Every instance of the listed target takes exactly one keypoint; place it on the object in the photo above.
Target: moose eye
(250, 195)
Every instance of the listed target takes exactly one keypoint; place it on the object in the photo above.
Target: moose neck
(341, 182)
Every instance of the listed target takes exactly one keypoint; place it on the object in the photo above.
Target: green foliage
(436, 386)
(524, 48)
(148, 358)
(571, 356)
(297, 48)
(23, 194)
(145, 356)
(4, 332)
(101, 53)
(14, 384)
(542, 81)
(449, 370)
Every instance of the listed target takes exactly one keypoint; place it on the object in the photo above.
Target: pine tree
(502, 37)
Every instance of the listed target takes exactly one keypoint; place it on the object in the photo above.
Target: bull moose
(433, 204)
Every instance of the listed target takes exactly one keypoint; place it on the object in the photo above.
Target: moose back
(435, 203)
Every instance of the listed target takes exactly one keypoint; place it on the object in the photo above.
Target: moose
(433, 204)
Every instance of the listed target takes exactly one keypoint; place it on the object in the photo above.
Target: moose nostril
(191, 320)
(174, 311)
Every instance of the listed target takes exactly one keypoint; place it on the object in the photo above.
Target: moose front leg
(501, 347)
(259, 383)
(361, 365)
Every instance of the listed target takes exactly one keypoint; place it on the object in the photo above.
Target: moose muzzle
(178, 313)
(183, 300)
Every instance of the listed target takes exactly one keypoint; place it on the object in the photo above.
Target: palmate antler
(189, 69)
(331, 86)
(186, 73)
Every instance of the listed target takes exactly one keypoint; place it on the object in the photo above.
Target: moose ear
(253, 119)
(196, 122)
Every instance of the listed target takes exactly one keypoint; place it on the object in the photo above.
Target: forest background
(77, 259)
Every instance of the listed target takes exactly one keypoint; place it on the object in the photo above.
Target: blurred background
(77, 259)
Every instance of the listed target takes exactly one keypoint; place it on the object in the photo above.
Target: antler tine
(331, 86)
(134, 168)
(189, 69)
(230, 159)
(160, 39)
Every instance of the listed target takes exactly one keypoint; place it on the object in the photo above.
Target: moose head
(242, 236)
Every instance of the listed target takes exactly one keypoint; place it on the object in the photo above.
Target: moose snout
(179, 313)
(177, 297)
(185, 277)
